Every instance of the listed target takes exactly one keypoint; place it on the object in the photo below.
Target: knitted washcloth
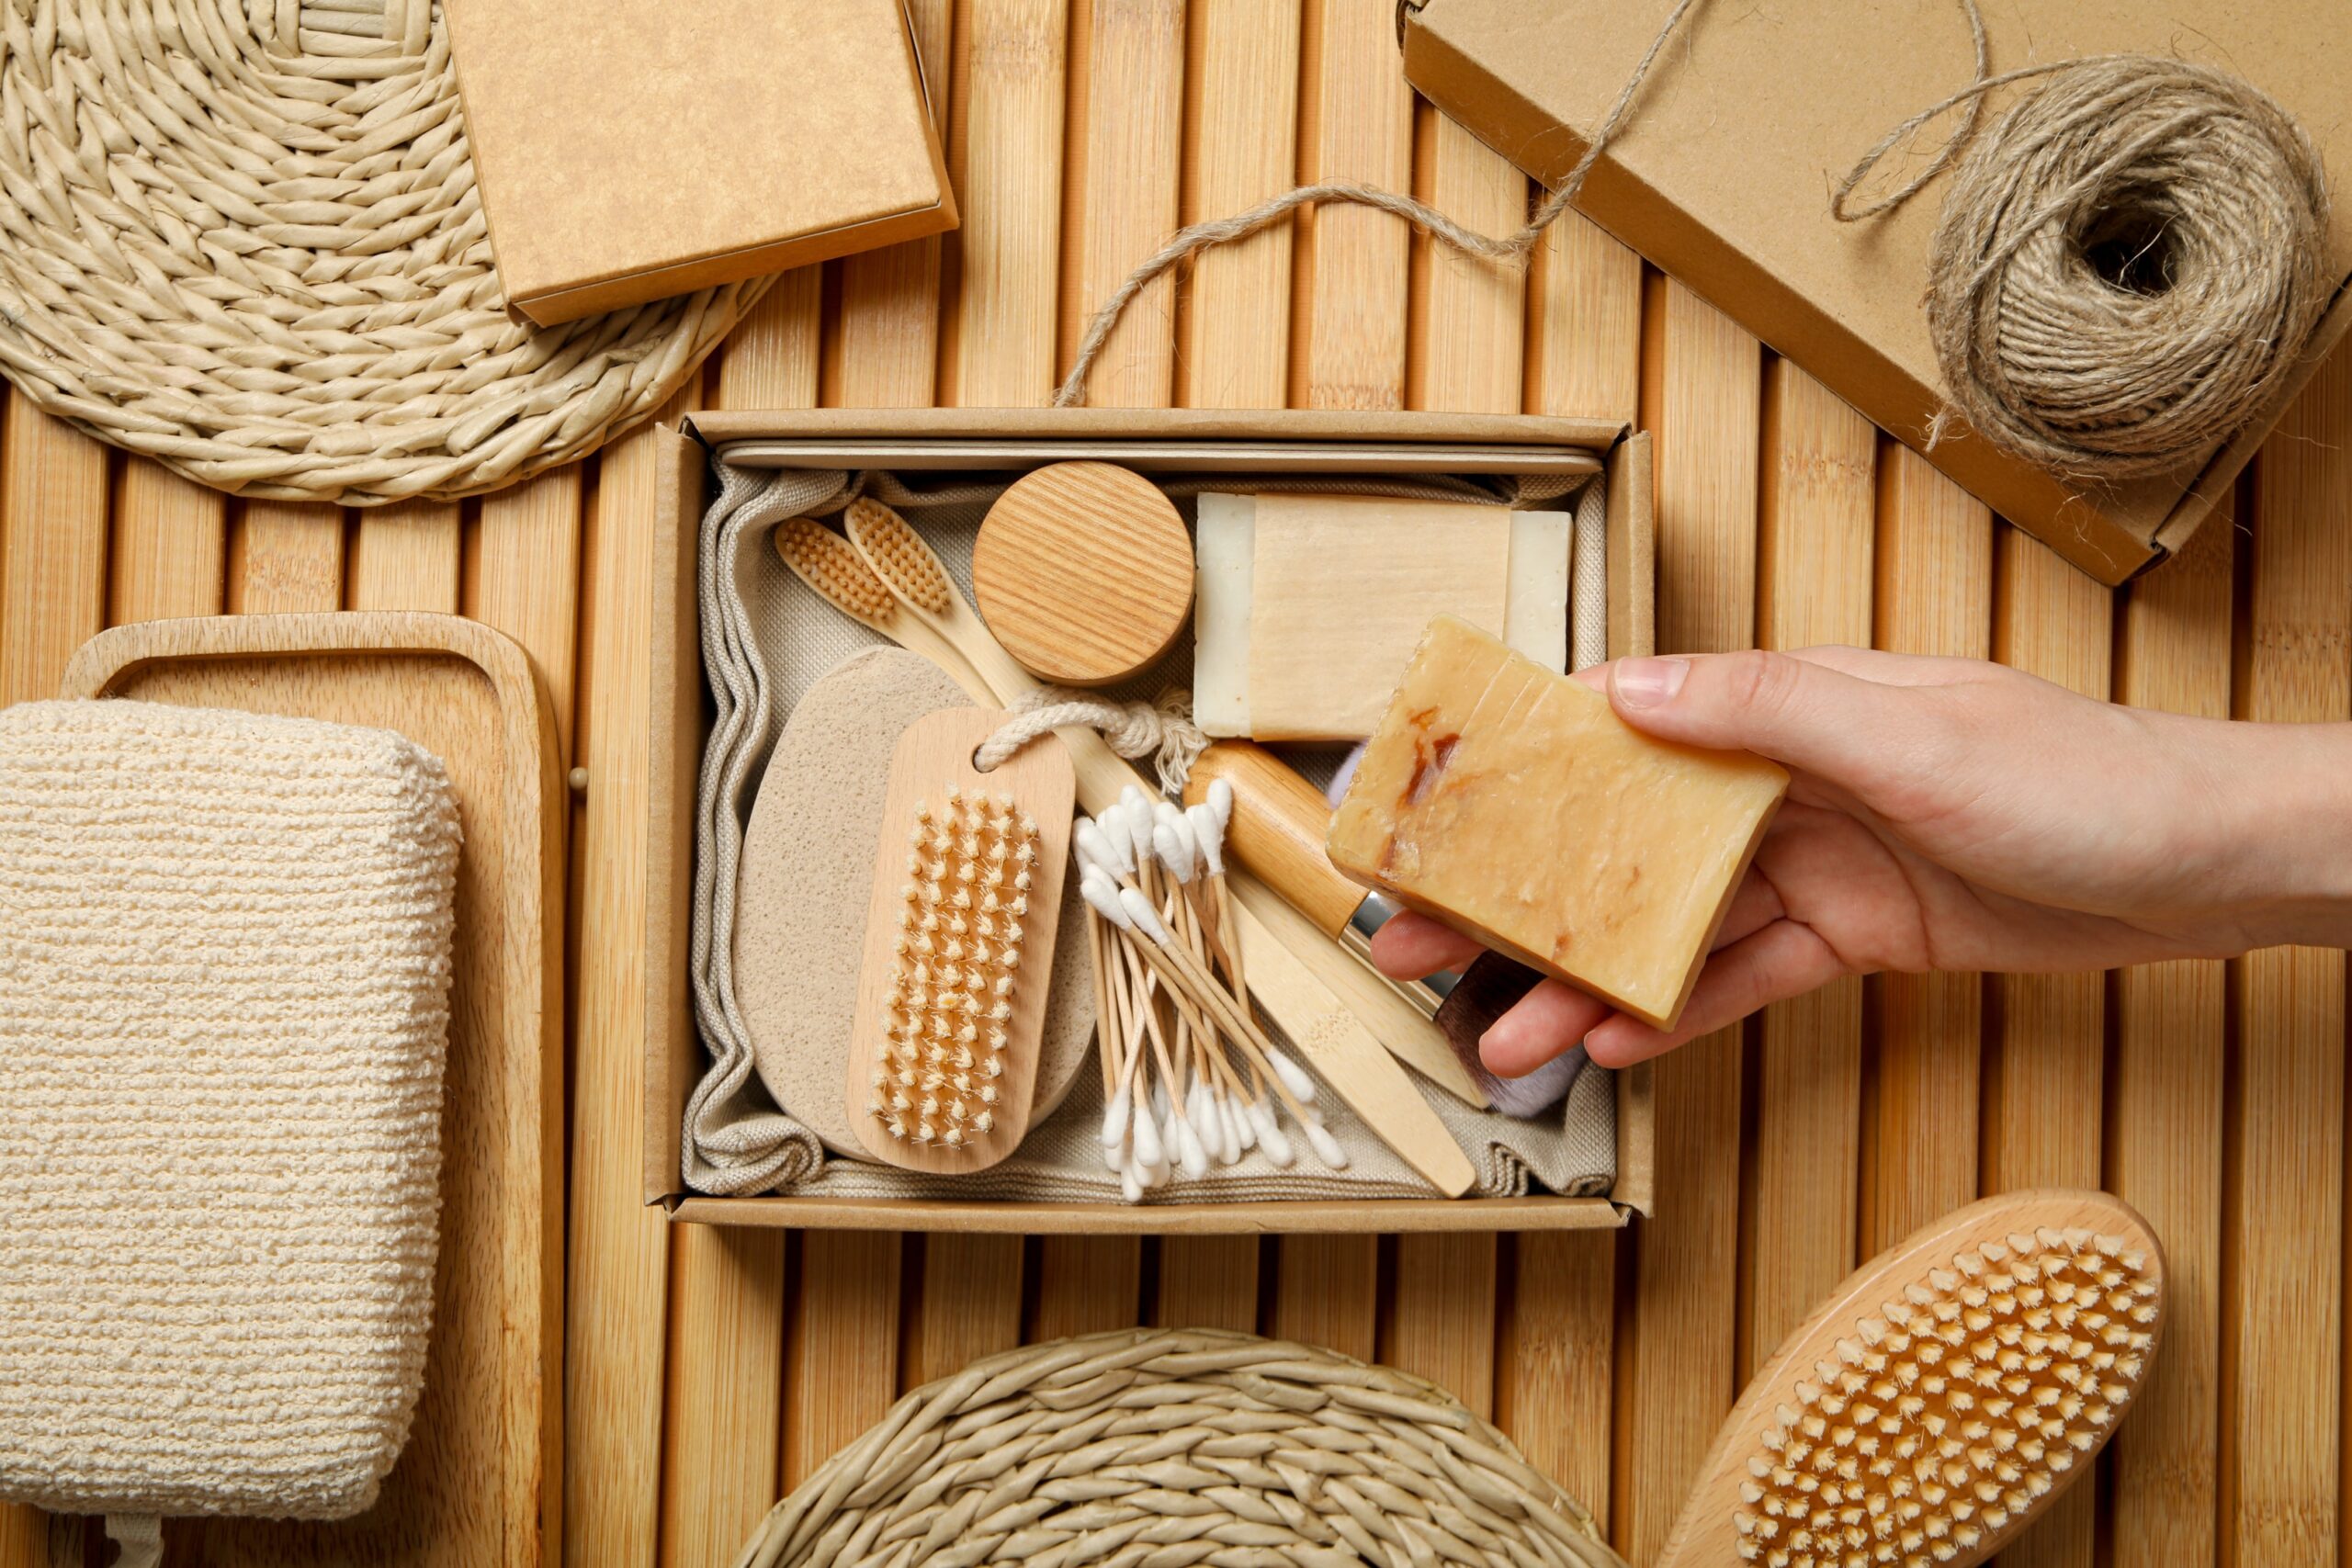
(224, 977)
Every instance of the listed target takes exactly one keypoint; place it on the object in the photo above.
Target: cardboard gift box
(1009, 442)
(812, 131)
(1722, 174)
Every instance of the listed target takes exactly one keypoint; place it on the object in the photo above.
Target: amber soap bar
(1513, 803)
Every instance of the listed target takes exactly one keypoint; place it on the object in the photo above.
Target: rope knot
(1163, 730)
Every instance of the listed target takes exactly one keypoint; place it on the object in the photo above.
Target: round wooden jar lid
(1084, 572)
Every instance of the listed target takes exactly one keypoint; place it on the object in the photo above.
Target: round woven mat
(244, 239)
(1163, 1449)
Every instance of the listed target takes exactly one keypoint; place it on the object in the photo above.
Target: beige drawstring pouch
(224, 993)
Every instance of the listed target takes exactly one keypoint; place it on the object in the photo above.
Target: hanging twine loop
(2127, 266)
(1163, 730)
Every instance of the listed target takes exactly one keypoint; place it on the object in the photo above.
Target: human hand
(1950, 814)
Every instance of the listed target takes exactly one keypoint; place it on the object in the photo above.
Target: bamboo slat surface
(706, 1370)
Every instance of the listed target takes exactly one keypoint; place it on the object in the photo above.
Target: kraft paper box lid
(1722, 171)
(631, 150)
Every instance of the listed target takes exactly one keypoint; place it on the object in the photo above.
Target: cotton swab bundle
(1146, 873)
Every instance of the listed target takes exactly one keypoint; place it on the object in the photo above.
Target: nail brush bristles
(969, 866)
(1954, 1410)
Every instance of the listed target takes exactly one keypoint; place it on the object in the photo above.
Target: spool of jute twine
(2127, 266)
(2126, 270)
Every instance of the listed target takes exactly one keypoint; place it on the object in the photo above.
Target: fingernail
(1650, 682)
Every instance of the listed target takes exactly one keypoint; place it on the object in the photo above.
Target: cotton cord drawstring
(1163, 730)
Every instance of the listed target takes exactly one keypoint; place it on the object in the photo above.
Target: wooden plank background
(706, 1370)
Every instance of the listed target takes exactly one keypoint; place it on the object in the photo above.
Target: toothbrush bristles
(898, 556)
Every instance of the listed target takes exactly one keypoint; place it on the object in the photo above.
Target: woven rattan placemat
(244, 239)
(1168, 1448)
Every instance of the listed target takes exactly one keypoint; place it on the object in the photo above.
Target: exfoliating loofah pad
(224, 977)
(808, 869)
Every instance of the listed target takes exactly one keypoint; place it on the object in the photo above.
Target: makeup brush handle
(1278, 826)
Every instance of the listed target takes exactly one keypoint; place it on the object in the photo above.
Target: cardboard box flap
(631, 150)
(1722, 172)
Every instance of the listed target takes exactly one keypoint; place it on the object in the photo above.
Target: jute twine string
(2127, 266)
(2126, 269)
(245, 240)
(1164, 1448)
(1509, 249)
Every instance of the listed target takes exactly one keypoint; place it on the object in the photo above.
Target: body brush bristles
(1941, 1399)
(970, 867)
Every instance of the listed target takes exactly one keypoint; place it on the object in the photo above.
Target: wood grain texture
(1004, 154)
(1702, 386)
(1813, 574)
(1208, 1281)
(1465, 327)
(1441, 1323)
(53, 569)
(884, 348)
(1120, 189)
(286, 557)
(170, 549)
(1241, 147)
(1084, 572)
(1085, 1284)
(472, 1486)
(522, 577)
(1327, 1292)
(722, 1469)
(1355, 123)
(2045, 1079)
(1584, 323)
(842, 1355)
(1554, 1353)
(2283, 1356)
(969, 1306)
(725, 1378)
(1934, 595)
(2165, 1101)
(619, 1273)
(404, 556)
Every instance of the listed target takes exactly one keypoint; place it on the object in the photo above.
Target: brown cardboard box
(1151, 440)
(1723, 173)
(810, 128)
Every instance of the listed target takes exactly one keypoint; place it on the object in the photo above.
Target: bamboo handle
(1279, 824)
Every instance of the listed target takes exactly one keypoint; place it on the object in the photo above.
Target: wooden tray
(480, 1482)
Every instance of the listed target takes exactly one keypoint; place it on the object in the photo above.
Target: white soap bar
(1223, 543)
(1308, 607)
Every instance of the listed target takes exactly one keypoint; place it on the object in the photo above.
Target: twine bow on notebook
(2127, 269)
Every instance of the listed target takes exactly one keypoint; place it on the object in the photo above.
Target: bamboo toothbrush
(1941, 1399)
(1308, 1010)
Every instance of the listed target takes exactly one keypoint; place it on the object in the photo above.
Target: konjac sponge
(224, 998)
